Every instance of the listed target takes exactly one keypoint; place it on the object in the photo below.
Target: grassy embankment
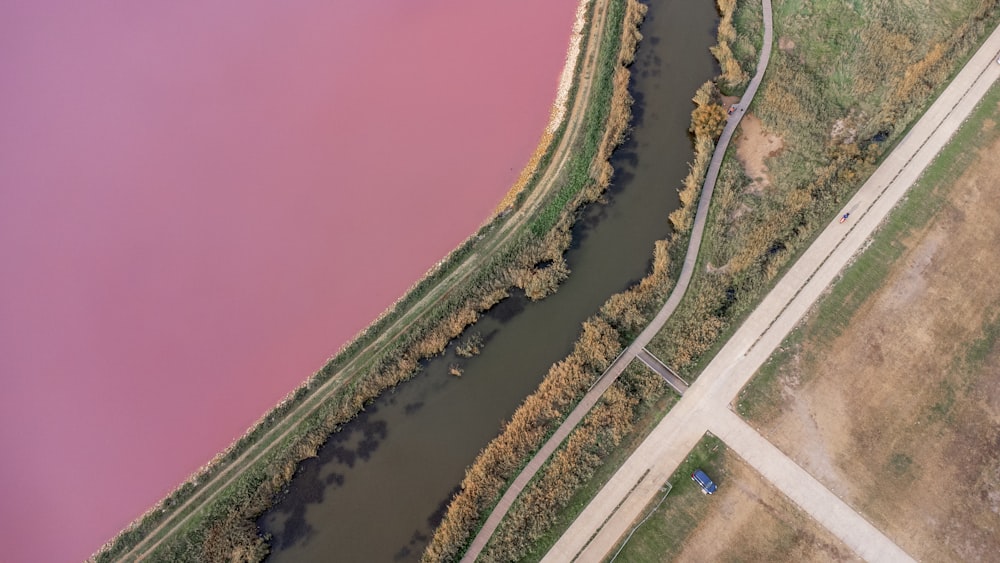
(836, 115)
(600, 342)
(888, 386)
(609, 430)
(218, 506)
(588, 457)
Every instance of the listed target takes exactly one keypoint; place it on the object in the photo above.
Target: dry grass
(604, 428)
(889, 392)
(532, 422)
(527, 173)
(569, 379)
(836, 116)
(733, 75)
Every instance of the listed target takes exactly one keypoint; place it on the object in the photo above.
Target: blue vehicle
(706, 484)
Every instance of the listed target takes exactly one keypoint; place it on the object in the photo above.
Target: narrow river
(379, 487)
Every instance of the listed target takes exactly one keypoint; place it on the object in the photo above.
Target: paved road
(705, 406)
(616, 368)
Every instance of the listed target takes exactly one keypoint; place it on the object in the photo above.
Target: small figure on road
(731, 110)
(844, 217)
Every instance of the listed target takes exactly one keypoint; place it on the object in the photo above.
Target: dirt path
(611, 513)
(211, 489)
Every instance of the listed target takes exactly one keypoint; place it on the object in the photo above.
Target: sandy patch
(786, 44)
(559, 108)
(754, 145)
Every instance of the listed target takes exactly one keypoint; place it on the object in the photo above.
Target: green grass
(578, 168)
(979, 350)
(868, 273)
(748, 19)
(661, 537)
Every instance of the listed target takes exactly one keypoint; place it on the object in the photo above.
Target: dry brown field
(747, 519)
(894, 402)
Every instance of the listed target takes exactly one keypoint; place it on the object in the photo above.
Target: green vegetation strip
(584, 462)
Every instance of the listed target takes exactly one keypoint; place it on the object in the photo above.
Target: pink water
(199, 203)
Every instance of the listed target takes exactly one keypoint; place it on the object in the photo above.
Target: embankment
(211, 517)
(602, 335)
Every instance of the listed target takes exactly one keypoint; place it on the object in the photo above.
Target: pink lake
(201, 202)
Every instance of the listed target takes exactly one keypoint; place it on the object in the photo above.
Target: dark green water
(380, 486)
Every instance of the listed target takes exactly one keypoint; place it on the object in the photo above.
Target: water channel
(379, 486)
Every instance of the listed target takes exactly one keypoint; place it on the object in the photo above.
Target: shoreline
(558, 112)
(294, 398)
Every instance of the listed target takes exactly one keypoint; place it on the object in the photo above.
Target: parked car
(706, 484)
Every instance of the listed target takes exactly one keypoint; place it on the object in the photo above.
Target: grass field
(829, 119)
(745, 520)
(888, 392)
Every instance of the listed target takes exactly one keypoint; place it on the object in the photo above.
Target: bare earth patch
(749, 520)
(786, 44)
(900, 413)
(754, 146)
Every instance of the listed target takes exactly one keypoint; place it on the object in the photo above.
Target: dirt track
(210, 489)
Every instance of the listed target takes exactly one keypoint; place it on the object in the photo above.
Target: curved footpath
(705, 407)
(630, 353)
(213, 487)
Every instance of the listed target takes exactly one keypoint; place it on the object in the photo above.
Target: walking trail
(705, 406)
